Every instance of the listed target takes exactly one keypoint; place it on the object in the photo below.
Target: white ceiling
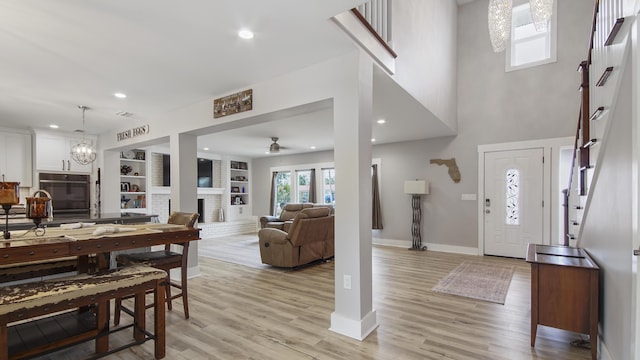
(165, 55)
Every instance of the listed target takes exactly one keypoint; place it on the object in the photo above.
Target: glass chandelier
(499, 23)
(541, 11)
(83, 153)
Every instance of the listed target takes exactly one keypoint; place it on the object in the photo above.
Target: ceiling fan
(275, 147)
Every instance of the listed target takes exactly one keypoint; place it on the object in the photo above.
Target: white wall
(424, 37)
(607, 228)
(611, 215)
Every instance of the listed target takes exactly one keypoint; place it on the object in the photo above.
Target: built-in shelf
(614, 32)
(133, 181)
(132, 160)
(605, 76)
(238, 183)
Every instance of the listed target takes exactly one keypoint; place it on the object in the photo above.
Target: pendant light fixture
(499, 23)
(83, 153)
(500, 12)
(541, 11)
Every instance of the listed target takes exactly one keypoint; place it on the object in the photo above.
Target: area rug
(476, 280)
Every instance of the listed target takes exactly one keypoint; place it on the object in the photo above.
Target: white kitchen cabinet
(15, 158)
(53, 153)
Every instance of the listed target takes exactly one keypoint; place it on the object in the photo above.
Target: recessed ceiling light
(120, 95)
(312, 147)
(245, 34)
(373, 139)
(205, 149)
(54, 126)
(266, 152)
(381, 121)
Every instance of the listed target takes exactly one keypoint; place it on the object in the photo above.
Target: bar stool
(165, 260)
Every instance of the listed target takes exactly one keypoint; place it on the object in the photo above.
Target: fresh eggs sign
(131, 133)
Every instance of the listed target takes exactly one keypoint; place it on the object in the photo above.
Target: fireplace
(201, 210)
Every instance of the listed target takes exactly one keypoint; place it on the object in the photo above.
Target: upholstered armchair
(289, 211)
(304, 243)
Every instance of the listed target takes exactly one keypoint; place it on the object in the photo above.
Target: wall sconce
(416, 188)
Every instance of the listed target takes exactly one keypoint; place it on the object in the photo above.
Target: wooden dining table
(60, 242)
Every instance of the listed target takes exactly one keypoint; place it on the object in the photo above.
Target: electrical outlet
(347, 282)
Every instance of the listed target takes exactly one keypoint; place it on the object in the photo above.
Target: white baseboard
(391, 242)
(604, 352)
(356, 329)
(453, 249)
(433, 247)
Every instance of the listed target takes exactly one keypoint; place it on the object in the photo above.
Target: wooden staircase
(600, 82)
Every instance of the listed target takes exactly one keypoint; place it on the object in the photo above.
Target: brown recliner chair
(289, 211)
(304, 243)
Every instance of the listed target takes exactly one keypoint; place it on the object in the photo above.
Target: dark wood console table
(564, 291)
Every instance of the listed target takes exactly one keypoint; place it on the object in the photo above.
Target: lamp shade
(420, 187)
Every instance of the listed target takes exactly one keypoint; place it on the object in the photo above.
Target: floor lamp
(416, 188)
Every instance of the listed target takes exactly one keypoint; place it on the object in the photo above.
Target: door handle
(62, 165)
(68, 165)
(636, 252)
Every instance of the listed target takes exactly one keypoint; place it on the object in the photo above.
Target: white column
(354, 315)
(184, 185)
(635, 185)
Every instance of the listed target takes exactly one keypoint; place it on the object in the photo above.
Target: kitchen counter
(109, 218)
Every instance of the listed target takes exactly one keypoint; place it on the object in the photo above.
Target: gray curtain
(312, 186)
(272, 203)
(376, 223)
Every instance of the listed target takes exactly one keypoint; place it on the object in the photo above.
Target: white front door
(513, 196)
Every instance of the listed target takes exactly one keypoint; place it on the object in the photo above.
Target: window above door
(529, 46)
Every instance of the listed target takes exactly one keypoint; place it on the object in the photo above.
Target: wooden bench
(19, 303)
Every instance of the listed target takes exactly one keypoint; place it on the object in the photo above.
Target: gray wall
(493, 107)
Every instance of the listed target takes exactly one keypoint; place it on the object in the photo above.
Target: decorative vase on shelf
(220, 216)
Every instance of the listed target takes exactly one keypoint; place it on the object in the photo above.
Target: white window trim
(318, 167)
(553, 53)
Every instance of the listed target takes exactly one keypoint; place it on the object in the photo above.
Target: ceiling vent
(124, 114)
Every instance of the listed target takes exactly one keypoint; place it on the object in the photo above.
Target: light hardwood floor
(240, 312)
